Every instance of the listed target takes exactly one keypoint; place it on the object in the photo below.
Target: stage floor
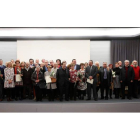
(110, 105)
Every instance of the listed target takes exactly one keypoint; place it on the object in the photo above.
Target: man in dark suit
(31, 61)
(27, 82)
(63, 77)
(90, 73)
(76, 67)
(126, 78)
(105, 79)
(2, 90)
(45, 67)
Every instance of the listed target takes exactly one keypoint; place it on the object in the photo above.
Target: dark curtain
(125, 49)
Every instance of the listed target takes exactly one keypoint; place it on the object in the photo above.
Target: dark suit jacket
(77, 67)
(109, 75)
(27, 76)
(41, 83)
(2, 72)
(130, 74)
(62, 77)
(94, 72)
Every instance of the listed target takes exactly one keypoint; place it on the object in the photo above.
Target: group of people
(21, 80)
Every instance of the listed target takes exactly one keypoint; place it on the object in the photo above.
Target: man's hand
(36, 81)
(138, 79)
(121, 81)
(21, 75)
(90, 77)
(131, 81)
(1, 75)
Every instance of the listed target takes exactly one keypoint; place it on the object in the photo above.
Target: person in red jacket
(136, 79)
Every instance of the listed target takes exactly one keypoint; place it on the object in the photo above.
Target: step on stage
(110, 105)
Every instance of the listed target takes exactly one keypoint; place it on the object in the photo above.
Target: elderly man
(126, 78)
(98, 77)
(63, 78)
(38, 83)
(105, 80)
(136, 69)
(43, 60)
(27, 83)
(37, 61)
(51, 63)
(91, 74)
(76, 67)
(45, 68)
(2, 67)
(120, 64)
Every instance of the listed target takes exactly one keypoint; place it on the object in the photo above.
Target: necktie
(90, 69)
(105, 75)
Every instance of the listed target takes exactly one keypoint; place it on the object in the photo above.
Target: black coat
(109, 75)
(27, 76)
(94, 72)
(62, 77)
(130, 74)
(41, 82)
(77, 67)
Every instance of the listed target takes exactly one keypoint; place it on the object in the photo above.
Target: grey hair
(97, 62)
(37, 67)
(126, 61)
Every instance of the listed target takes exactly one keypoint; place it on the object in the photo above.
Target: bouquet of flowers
(79, 75)
(113, 74)
(52, 74)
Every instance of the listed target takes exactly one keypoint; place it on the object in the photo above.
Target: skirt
(116, 82)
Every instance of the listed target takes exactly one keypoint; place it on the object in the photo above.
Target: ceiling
(68, 33)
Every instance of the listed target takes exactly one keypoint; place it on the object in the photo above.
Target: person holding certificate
(38, 83)
(9, 80)
(18, 81)
(50, 85)
(91, 75)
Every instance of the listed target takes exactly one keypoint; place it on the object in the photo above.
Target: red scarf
(16, 69)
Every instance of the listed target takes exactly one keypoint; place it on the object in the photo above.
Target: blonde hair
(8, 64)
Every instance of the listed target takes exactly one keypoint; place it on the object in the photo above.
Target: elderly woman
(110, 66)
(73, 80)
(51, 86)
(38, 82)
(116, 81)
(82, 86)
(9, 80)
(22, 65)
(18, 84)
(98, 77)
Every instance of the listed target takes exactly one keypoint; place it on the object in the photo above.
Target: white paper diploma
(90, 81)
(48, 79)
(18, 78)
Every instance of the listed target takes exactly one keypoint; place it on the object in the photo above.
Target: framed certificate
(18, 78)
(48, 79)
(90, 81)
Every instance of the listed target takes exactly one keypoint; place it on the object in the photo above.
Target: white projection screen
(54, 49)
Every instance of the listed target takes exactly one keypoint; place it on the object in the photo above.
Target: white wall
(8, 50)
(54, 49)
(100, 51)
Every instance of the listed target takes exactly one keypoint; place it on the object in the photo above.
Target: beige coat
(50, 85)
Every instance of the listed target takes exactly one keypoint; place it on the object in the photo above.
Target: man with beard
(136, 81)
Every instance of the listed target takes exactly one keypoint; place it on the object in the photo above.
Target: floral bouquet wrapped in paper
(52, 77)
(113, 74)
